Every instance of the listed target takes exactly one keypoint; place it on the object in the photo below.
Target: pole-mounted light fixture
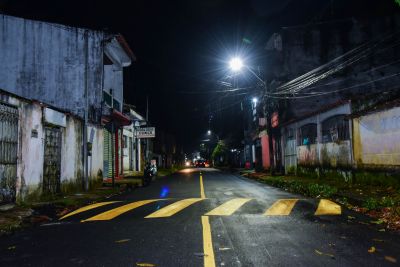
(236, 64)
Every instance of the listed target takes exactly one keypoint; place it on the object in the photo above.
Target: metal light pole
(236, 64)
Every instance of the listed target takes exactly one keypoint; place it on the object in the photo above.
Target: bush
(374, 203)
(387, 202)
(317, 190)
(301, 187)
(371, 203)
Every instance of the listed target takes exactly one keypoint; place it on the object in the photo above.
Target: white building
(53, 79)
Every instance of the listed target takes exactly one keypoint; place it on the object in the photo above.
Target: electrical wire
(334, 91)
(315, 75)
(216, 91)
(337, 81)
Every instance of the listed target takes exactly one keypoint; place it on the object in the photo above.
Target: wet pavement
(204, 217)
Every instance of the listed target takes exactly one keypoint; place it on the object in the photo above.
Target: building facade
(52, 111)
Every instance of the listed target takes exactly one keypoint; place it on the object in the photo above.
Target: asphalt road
(203, 217)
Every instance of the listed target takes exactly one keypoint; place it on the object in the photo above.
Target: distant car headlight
(187, 163)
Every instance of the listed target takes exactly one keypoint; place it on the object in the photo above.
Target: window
(125, 141)
(116, 104)
(307, 134)
(290, 134)
(107, 98)
(335, 129)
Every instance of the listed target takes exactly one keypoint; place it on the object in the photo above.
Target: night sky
(183, 47)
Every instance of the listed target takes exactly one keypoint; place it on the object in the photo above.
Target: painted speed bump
(281, 207)
(327, 207)
(174, 208)
(229, 207)
(111, 214)
(89, 207)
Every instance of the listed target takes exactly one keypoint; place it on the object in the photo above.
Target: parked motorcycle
(150, 171)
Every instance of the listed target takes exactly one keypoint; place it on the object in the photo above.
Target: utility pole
(267, 114)
(85, 127)
(147, 121)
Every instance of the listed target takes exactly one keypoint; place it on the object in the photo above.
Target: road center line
(202, 194)
(209, 260)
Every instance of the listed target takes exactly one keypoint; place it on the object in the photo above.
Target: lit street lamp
(209, 133)
(236, 64)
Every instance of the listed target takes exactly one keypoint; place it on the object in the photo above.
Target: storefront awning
(116, 117)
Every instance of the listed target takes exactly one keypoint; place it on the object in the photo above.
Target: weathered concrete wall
(336, 154)
(46, 62)
(308, 155)
(71, 151)
(31, 138)
(331, 154)
(377, 139)
(96, 137)
(127, 153)
(31, 149)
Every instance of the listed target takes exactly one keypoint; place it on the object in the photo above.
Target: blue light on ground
(164, 192)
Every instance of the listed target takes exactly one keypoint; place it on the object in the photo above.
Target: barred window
(125, 141)
(308, 134)
(290, 134)
(335, 129)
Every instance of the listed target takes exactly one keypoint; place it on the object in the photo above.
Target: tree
(219, 155)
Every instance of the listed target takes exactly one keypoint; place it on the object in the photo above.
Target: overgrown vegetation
(380, 201)
(373, 203)
(219, 155)
(300, 186)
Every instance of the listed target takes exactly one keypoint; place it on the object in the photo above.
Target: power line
(315, 75)
(334, 91)
(348, 78)
(216, 91)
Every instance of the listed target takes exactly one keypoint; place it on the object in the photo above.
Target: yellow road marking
(89, 207)
(228, 207)
(327, 207)
(111, 214)
(281, 207)
(209, 260)
(144, 264)
(174, 208)
(202, 193)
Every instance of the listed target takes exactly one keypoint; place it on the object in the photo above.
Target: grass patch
(379, 201)
(307, 187)
(373, 203)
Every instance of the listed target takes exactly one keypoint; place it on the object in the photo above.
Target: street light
(236, 64)
(209, 133)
